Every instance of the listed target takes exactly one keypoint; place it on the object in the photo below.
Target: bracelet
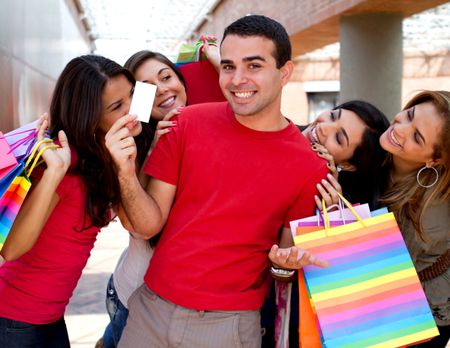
(282, 274)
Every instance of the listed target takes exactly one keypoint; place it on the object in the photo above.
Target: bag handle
(12, 133)
(347, 204)
(36, 155)
(200, 44)
(32, 133)
(198, 52)
(29, 137)
(340, 206)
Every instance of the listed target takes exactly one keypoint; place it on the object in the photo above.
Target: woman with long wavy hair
(71, 199)
(418, 192)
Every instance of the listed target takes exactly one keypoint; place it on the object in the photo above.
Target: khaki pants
(155, 322)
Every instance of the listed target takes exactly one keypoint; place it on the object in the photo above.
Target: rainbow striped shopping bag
(371, 295)
(12, 199)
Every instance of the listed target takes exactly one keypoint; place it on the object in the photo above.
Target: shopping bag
(189, 53)
(202, 83)
(202, 79)
(12, 198)
(309, 331)
(336, 218)
(22, 140)
(6, 181)
(7, 159)
(309, 335)
(370, 296)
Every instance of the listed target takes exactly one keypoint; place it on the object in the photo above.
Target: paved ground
(86, 315)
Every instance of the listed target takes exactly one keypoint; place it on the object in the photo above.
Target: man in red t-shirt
(223, 183)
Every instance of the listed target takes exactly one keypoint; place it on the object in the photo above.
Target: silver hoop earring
(433, 183)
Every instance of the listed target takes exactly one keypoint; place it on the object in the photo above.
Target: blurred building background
(376, 50)
(37, 39)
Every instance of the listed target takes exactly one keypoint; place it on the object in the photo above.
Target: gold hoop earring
(429, 185)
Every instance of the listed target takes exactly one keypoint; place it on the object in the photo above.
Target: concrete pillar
(371, 62)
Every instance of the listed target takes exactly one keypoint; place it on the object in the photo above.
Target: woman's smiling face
(413, 135)
(170, 93)
(340, 131)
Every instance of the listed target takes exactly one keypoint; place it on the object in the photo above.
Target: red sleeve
(68, 183)
(165, 160)
(305, 205)
(63, 187)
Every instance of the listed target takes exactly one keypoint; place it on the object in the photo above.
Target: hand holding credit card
(142, 102)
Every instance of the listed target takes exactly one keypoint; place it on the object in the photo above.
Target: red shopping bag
(202, 79)
(202, 82)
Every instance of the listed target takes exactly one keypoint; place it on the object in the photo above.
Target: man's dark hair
(256, 25)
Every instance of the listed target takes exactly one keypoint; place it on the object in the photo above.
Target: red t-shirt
(236, 187)
(36, 287)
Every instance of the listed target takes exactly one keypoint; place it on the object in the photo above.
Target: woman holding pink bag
(71, 199)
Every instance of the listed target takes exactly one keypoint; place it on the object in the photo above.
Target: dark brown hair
(76, 108)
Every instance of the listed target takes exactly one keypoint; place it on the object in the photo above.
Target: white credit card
(142, 102)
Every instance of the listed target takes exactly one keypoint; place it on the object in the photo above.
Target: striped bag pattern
(10, 204)
(11, 200)
(370, 296)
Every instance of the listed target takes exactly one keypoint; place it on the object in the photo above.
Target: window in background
(319, 102)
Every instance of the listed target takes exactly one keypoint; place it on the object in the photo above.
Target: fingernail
(173, 123)
(329, 175)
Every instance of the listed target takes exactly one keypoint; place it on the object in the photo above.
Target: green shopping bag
(189, 53)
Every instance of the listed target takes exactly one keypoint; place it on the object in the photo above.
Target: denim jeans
(17, 334)
(118, 315)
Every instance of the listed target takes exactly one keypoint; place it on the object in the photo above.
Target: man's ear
(286, 72)
(347, 167)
